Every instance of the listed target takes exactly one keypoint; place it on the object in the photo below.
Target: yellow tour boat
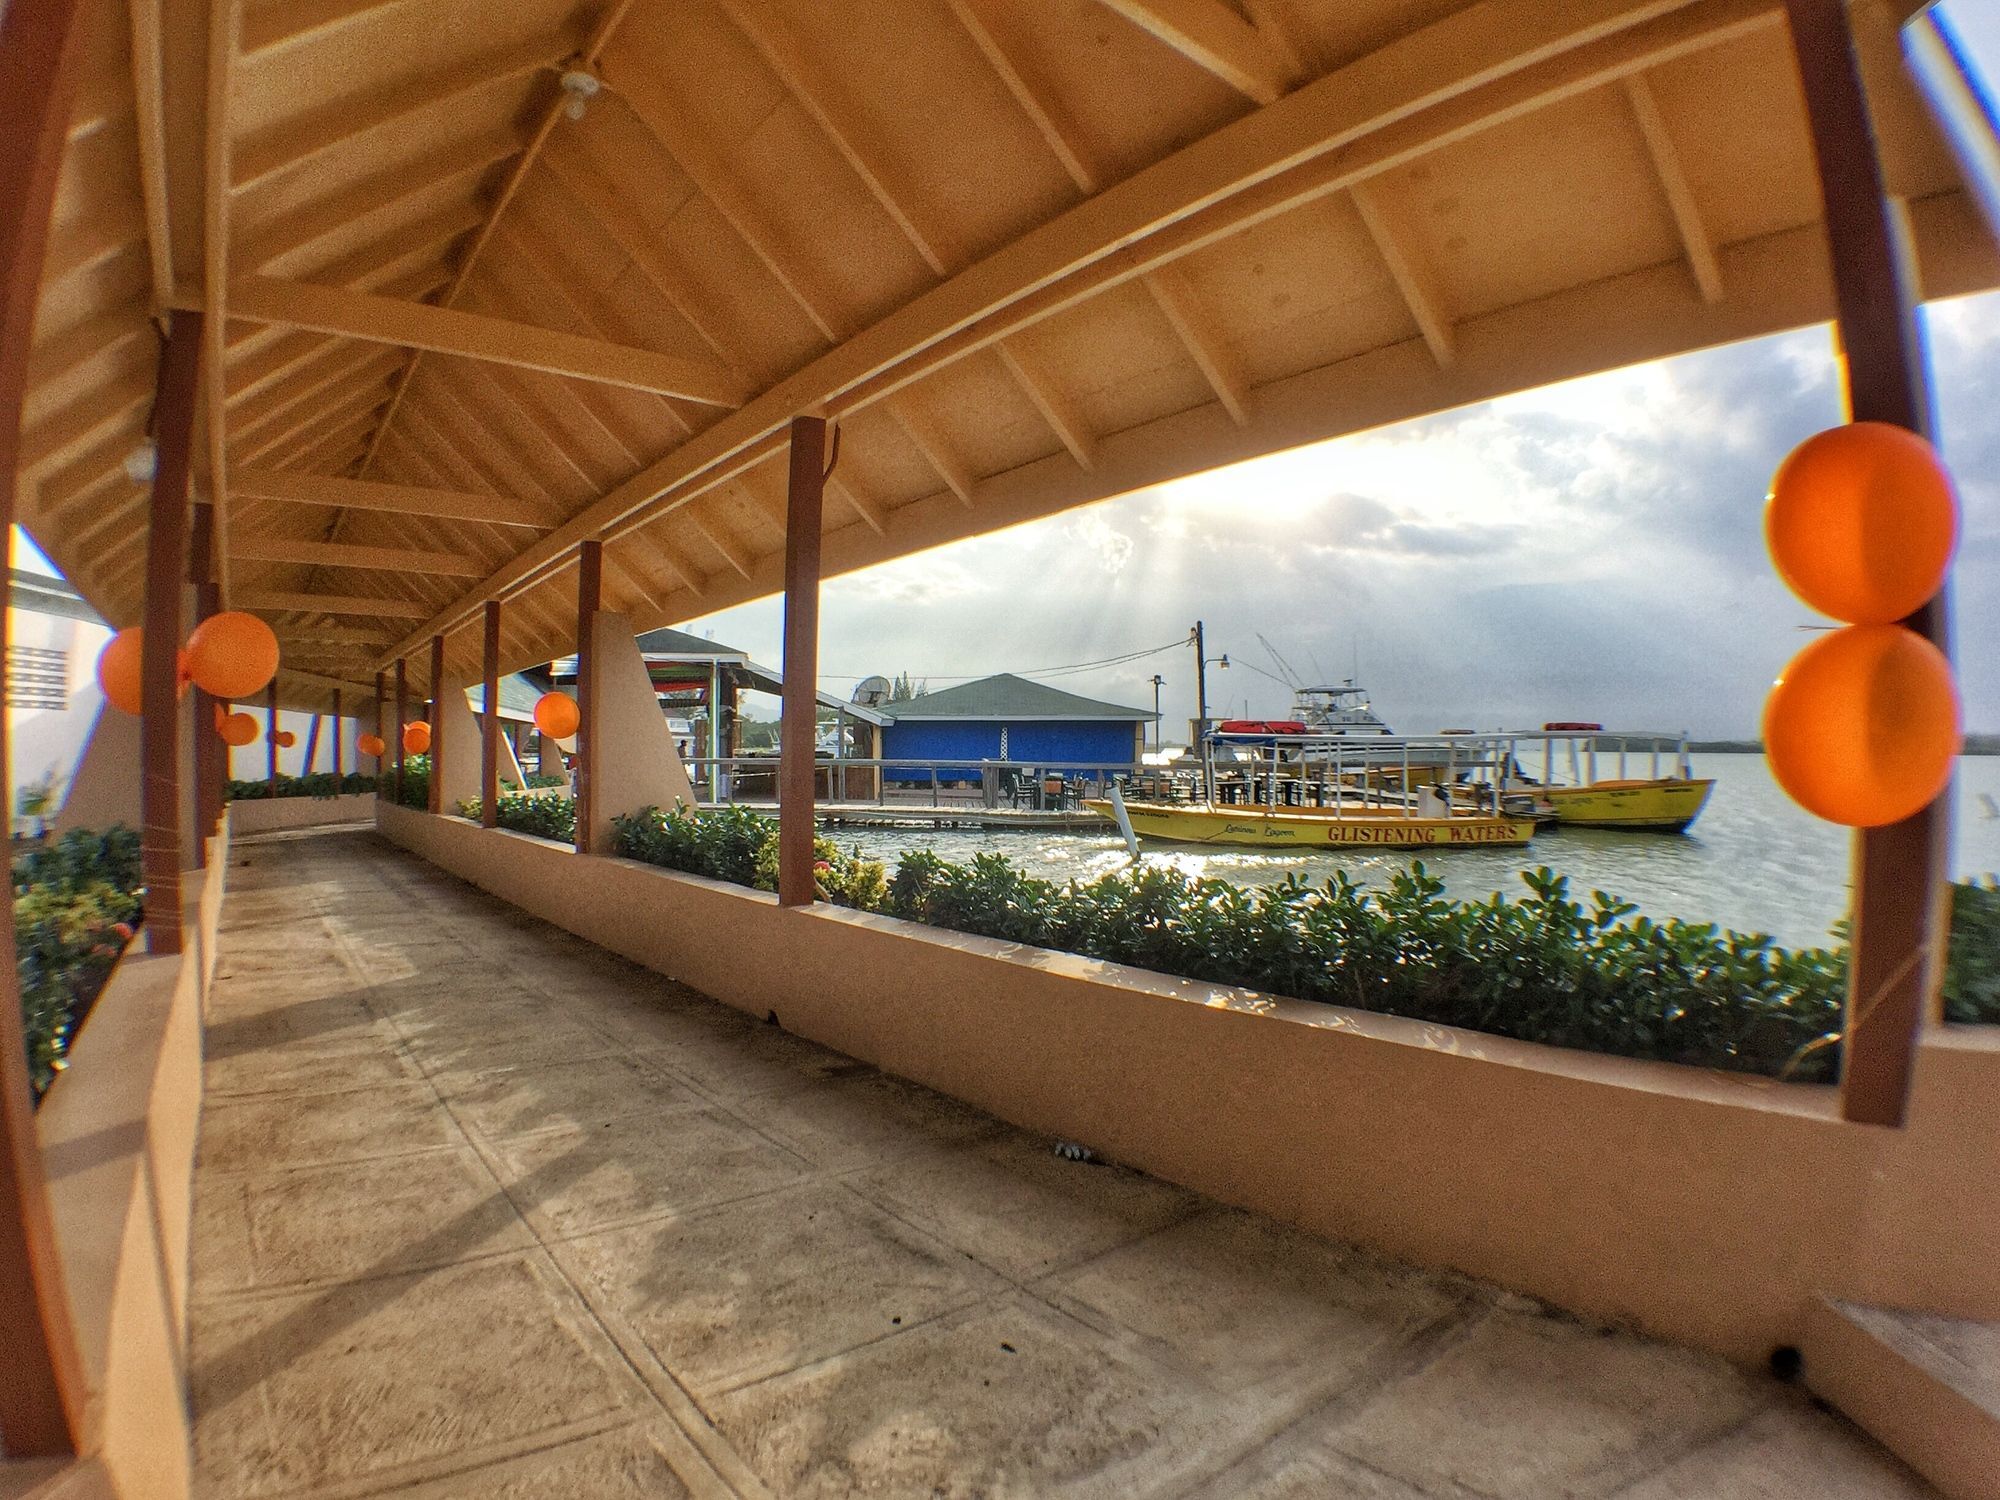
(1667, 804)
(1317, 828)
(1655, 803)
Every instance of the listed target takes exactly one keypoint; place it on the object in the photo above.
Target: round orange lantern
(118, 669)
(416, 737)
(370, 744)
(1862, 521)
(232, 655)
(1863, 727)
(557, 715)
(284, 739)
(239, 729)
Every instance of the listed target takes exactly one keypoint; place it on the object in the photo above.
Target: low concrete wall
(1708, 1208)
(118, 1136)
(272, 814)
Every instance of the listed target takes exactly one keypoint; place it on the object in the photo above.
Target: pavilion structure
(453, 338)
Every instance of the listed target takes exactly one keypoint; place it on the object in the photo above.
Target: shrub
(735, 844)
(321, 784)
(545, 817)
(416, 788)
(1972, 970)
(75, 905)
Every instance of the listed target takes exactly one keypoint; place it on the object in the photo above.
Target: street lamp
(1158, 683)
(1201, 665)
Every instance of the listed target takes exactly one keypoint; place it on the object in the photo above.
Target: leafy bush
(539, 779)
(322, 784)
(416, 788)
(1544, 967)
(545, 817)
(1972, 970)
(75, 904)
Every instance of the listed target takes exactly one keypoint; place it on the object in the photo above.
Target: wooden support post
(489, 723)
(589, 592)
(339, 769)
(42, 1386)
(271, 739)
(166, 578)
(402, 719)
(797, 717)
(1900, 885)
(211, 754)
(437, 724)
(312, 745)
(381, 700)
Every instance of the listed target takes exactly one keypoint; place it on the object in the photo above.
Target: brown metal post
(1900, 884)
(589, 592)
(437, 724)
(159, 693)
(339, 769)
(489, 723)
(211, 755)
(42, 1387)
(271, 739)
(797, 716)
(402, 718)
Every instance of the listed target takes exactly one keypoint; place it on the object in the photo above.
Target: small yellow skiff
(1667, 804)
(1310, 828)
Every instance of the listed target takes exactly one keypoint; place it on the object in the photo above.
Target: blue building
(1010, 718)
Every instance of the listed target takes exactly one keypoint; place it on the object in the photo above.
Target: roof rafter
(347, 555)
(1414, 276)
(1674, 183)
(397, 499)
(1215, 38)
(278, 601)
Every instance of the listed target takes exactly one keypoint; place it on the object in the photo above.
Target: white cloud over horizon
(1588, 550)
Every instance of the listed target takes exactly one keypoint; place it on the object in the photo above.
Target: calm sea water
(1754, 861)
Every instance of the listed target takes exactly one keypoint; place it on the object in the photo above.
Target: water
(1754, 861)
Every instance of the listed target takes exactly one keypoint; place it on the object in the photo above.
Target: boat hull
(1284, 829)
(1665, 806)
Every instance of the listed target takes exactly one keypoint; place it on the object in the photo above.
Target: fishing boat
(1423, 822)
(1655, 802)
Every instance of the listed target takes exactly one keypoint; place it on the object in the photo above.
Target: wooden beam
(149, 104)
(1052, 402)
(1213, 37)
(589, 592)
(44, 1391)
(797, 735)
(489, 720)
(1492, 62)
(870, 513)
(211, 755)
(1219, 367)
(347, 555)
(329, 604)
(395, 499)
(1674, 183)
(225, 25)
(402, 722)
(923, 432)
(437, 724)
(1414, 276)
(443, 330)
(712, 533)
(1900, 872)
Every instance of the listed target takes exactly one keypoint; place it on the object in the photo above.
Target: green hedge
(75, 904)
(322, 784)
(545, 817)
(1543, 967)
(416, 788)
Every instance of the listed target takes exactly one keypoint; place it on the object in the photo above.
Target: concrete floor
(482, 1211)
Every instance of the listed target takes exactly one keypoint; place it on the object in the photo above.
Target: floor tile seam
(679, 1407)
(706, 1206)
(903, 1216)
(226, 1176)
(233, 1095)
(654, 1110)
(1627, 1472)
(224, 1298)
(1384, 1369)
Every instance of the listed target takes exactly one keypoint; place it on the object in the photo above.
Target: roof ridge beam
(446, 330)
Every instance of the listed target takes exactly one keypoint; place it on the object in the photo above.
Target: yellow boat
(1312, 828)
(1667, 804)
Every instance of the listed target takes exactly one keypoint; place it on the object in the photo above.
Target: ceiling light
(581, 87)
(142, 463)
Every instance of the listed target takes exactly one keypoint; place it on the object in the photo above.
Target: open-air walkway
(483, 1211)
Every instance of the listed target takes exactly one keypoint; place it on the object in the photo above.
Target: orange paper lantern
(1863, 727)
(239, 729)
(557, 715)
(370, 744)
(1862, 521)
(416, 737)
(232, 655)
(118, 669)
(284, 739)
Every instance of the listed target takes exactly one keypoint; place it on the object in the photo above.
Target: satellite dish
(870, 691)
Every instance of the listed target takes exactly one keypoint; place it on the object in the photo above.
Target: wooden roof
(1027, 253)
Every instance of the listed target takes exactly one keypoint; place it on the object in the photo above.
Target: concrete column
(637, 764)
(455, 774)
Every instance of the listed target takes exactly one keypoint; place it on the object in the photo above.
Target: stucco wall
(118, 1133)
(270, 814)
(1705, 1207)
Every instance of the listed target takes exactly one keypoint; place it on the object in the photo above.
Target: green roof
(519, 692)
(1008, 697)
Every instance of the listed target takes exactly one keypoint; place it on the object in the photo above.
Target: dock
(946, 815)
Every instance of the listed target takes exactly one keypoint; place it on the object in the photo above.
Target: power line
(1065, 670)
